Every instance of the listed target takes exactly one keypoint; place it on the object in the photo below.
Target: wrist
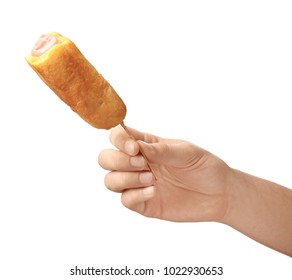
(238, 196)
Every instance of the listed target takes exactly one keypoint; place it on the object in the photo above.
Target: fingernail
(148, 191)
(129, 147)
(137, 161)
(146, 178)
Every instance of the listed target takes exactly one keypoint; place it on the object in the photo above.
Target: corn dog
(61, 65)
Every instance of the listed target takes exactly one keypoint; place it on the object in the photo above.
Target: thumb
(176, 154)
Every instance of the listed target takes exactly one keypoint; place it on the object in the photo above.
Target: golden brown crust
(71, 76)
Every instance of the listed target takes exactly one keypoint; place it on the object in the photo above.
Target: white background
(216, 73)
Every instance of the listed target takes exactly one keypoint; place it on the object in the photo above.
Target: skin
(190, 184)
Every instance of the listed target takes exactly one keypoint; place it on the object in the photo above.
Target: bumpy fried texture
(71, 76)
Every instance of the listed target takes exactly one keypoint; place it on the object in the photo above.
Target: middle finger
(117, 160)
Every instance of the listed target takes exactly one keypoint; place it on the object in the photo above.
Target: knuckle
(122, 181)
(120, 161)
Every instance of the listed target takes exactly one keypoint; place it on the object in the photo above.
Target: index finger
(122, 141)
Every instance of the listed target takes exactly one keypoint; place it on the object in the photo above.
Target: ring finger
(119, 181)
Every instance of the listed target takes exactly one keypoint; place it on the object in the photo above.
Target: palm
(192, 189)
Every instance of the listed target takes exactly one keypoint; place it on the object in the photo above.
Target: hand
(191, 183)
(194, 185)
